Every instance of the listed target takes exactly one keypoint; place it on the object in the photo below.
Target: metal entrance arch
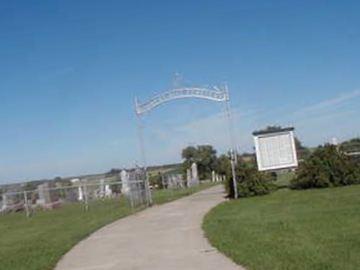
(217, 94)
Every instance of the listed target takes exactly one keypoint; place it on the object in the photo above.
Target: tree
(223, 165)
(352, 145)
(270, 129)
(29, 186)
(113, 172)
(189, 155)
(302, 152)
(204, 156)
(206, 159)
(57, 179)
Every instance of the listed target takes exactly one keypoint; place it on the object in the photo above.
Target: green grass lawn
(312, 229)
(37, 243)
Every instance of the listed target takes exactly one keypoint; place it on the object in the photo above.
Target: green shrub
(326, 167)
(250, 182)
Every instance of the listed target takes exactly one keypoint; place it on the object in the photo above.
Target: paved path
(162, 237)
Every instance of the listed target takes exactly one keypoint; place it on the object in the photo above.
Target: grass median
(312, 229)
(37, 243)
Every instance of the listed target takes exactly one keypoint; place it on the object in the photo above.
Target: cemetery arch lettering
(217, 94)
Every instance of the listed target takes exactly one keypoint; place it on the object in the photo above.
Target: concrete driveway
(162, 237)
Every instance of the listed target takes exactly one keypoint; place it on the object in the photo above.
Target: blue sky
(70, 70)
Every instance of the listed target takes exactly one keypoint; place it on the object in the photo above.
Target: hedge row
(327, 166)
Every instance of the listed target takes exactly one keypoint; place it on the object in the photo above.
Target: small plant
(326, 167)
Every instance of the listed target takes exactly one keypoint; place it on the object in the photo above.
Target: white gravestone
(4, 202)
(213, 179)
(102, 188)
(194, 175)
(188, 177)
(108, 191)
(180, 180)
(171, 183)
(44, 194)
(174, 181)
(125, 188)
(80, 194)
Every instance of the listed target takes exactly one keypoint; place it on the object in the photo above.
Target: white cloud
(331, 117)
(329, 103)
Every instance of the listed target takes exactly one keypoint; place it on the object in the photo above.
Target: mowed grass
(38, 242)
(312, 229)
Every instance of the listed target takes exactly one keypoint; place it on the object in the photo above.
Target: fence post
(26, 204)
(86, 197)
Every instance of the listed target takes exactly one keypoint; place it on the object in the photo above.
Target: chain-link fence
(132, 186)
(127, 188)
(138, 190)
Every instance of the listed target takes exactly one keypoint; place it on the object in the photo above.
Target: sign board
(275, 149)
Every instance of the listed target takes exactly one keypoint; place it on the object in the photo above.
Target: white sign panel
(275, 150)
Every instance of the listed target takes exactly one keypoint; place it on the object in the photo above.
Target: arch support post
(143, 160)
(233, 152)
